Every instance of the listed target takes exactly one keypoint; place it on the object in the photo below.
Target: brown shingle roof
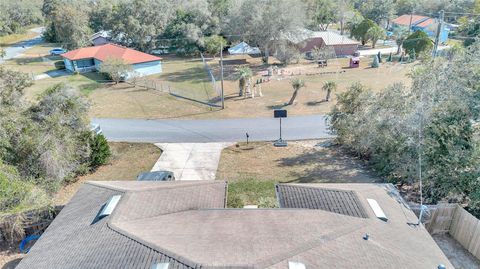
(186, 223)
(332, 200)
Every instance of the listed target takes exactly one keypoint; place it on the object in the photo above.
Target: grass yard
(190, 76)
(85, 83)
(35, 60)
(15, 38)
(252, 170)
(127, 161)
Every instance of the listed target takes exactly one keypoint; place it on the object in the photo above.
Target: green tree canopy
(418, 41)
(361, 30)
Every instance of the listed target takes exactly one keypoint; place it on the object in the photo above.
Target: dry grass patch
(188, 78)
(253, 170)
(128, 160)
(301, 161)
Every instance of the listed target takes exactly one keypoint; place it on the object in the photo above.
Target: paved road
(219, 130)
(19, 48)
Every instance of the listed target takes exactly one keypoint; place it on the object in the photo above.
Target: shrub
(99, 150)
(375, 62)
(418, 41)
(17, 194)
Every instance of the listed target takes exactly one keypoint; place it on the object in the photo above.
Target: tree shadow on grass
(316, 103)
(284, 105)
(327, 165)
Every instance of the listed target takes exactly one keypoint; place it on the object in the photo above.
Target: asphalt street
(216, 130)
(19, 48)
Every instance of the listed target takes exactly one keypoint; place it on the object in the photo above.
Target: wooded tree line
(42, 144)
(200, 25)
(436, 119)
(18, 14)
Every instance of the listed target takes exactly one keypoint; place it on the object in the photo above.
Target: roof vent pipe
(442, 266)
(162, 265)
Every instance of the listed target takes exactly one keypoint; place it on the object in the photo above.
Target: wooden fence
(461, 225)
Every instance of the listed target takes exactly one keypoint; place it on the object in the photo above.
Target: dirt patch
(301, 161)
(456, 253)
(128, 160)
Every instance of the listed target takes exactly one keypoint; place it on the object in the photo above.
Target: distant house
(185, 224)
(100, 38)
(90, 58)
(423, 23)
(307, 40)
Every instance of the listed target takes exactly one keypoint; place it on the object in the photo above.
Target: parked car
(156, 176)
(57, 51)
(95, 128)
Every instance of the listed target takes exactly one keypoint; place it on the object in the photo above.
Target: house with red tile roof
(423, 23)
(90, 59)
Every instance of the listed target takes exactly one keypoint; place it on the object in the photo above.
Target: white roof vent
(162, 265)
(109, 206)
(296, 265)
(377, 209)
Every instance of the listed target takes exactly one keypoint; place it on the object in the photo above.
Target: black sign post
(280, 113)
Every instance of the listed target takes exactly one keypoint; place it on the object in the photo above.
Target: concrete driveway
(190, 161)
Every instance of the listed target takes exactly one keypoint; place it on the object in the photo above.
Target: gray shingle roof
(186, 224)
(72, 241)
(336, 201)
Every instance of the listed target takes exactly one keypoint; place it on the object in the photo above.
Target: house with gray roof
(185, 224)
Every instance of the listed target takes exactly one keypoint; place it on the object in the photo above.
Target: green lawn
(86, 83)
(251, 191)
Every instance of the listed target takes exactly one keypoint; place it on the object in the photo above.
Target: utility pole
(439, 31)
(221, 74)
(411, 19)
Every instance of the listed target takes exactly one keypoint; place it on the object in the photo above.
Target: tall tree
(324, 13)
(264, 23)
(379, 11)
(71, 26)
(192, 23)
(375, 33)
(360, 32)
(138, 23)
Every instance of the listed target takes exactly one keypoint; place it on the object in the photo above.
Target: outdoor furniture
(354, 62)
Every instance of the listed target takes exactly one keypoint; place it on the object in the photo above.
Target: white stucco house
(90, 58)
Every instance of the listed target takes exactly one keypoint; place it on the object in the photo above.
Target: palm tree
(400, 33)
(3, 53)
(244, 73)
(329, 87)
(297, 83)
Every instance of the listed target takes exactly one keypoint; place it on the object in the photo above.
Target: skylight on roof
(377, 209)
(109, 206)
(162, 265)
(296, 265)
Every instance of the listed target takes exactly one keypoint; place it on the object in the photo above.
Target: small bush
(17, 194)
(99, 150)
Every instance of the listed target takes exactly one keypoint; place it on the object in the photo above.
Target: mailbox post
(280, 113)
